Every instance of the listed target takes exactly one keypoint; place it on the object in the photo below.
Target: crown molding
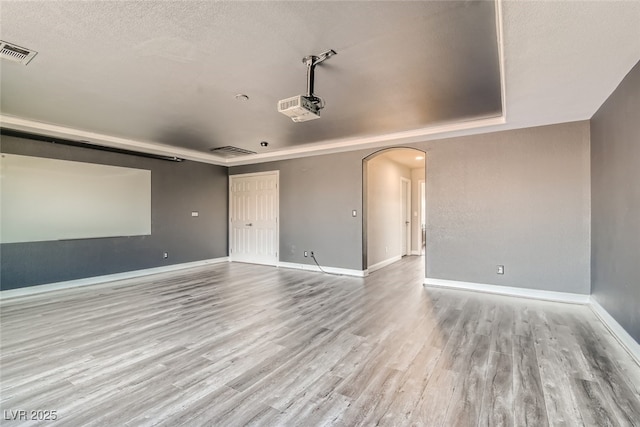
(47, 129)
(373, 141)
(326, 147)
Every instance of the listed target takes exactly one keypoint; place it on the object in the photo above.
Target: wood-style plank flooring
(240, 344)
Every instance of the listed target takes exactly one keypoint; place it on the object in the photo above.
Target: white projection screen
(47, 199)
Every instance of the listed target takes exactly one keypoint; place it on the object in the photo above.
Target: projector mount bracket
(311, 61)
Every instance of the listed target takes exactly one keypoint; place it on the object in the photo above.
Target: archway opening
(393, 206)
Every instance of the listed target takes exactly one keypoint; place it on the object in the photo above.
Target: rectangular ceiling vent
(14, 53)
(229, 151)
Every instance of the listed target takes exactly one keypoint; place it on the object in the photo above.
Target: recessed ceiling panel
(169, 72)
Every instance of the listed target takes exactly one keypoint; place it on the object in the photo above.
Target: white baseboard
(32, 290)
(511, 291)
(382, 264)
(418, 253)
(623, 337)
(334, 270)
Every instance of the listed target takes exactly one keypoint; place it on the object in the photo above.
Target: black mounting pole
(310, 61)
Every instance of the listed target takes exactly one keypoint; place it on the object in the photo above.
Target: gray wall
(517, 198)
(615, 186)
(177, 189)
(317, 195)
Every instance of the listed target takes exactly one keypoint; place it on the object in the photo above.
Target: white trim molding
(382, 264)
(446, 130)
(619, 333)
(152, 147)
(332, 270)
(38, 289)
(565, 297)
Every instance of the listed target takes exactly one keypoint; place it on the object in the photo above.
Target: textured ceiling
(167, 72)
(146, 74)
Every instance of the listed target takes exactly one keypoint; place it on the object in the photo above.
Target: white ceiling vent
(14, 53)
(229, 151)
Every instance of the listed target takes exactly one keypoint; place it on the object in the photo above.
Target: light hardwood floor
(237, 344)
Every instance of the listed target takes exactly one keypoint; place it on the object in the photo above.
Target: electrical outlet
(306, 254)
(500, 269)
(165, 255)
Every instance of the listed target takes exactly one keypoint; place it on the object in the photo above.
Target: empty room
(305, 213)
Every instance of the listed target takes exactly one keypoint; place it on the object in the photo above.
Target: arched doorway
(393, 206)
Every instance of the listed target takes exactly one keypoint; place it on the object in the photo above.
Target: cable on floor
(325, 272)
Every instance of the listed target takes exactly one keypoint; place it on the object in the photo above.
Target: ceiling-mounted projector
(307, 107)
(300, 108)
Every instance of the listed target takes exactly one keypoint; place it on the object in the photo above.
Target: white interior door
(406, 216)
(253, 218)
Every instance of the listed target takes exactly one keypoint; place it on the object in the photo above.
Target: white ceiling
(161, 76)
(411, 158)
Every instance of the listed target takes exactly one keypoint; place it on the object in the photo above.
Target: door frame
(365, 195)
(422, 195)
(406, 208)
(230, 213)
